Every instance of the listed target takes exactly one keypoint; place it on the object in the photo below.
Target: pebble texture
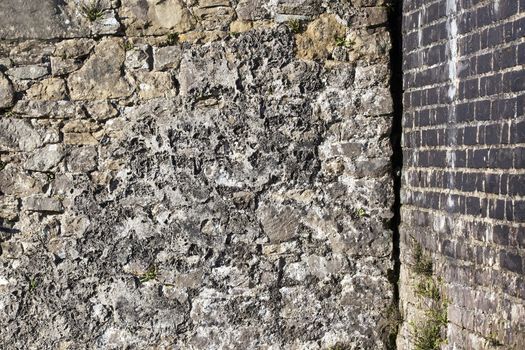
(194, 175)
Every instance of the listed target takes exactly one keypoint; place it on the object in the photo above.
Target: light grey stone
(156, 17)
(48, 109)
(251, 10)
(18, 135)
(74, 48)
(167, 57)
(6, 92)
(29, 72)
(9, 207)
(280, 224)
(299, 7)
(107, 24)
(138, 58)
(82, 159)
(62, 66)
(45, 158)
(44, 19)
(14, 181)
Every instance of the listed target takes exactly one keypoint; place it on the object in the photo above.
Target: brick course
(463, 190)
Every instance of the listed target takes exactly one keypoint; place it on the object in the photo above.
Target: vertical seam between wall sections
(396, 86)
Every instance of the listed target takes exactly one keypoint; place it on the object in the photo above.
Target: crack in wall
(396, 88)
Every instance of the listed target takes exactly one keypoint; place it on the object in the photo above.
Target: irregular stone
(138, 58)
(61, 66)
(100, 77)
(9, 207)
(363, 74)
(51, 134)
(155, 17)
(13, 181)
(363, 45)
(320, 38)
(31, 52)
(347, 149)
(299, 7)
(375, 16)
(48, 109)
(102, 110)
(376, 101)
(240, 26)
(167, 57)
(76, 138)
(279, 224)
(6, 63)
(6, 92)
(107, 24)
(18, 135)
(280, 18)
(376, 167)
(44, 19)
(252, 10)
(368, 3)
(155, 84)
(48, 90)
(214, 14)
(74, 225)
(74, 48)
(29, 72)
(45, 159)
(43, 204)
(82, 159)
(79, 125)
(197, 75)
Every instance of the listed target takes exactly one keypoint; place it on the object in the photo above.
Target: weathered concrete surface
(215, 190)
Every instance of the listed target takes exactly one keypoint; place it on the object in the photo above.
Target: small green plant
(493, 340)
(171, 39)
(92, 10)
(438, 314)
(149, 275)
(422, 264)
(361, 213)
(32, 284)
(428, 288)
(428, 334)
(128, 45)
(50, 176)
(342, 42)
(296, 26)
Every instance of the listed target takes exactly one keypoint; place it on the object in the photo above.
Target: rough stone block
(43, 204)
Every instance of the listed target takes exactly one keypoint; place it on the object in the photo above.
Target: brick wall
(463, 190)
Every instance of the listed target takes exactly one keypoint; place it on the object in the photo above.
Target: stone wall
(463, 213)
(207, 174)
